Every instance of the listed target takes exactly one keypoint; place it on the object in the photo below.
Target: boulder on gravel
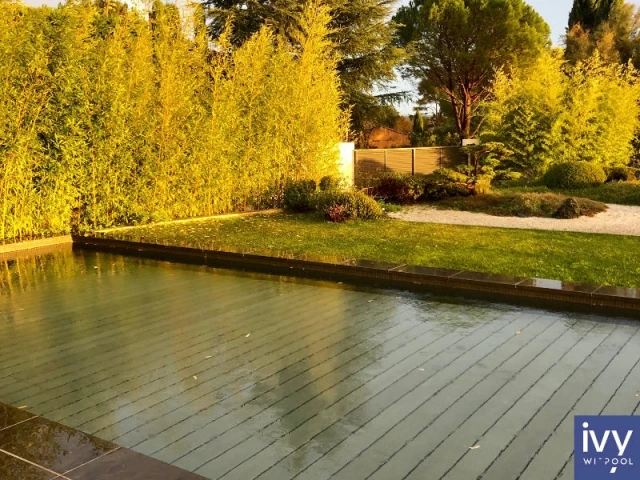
(568, 209)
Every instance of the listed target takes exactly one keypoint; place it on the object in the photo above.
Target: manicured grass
(512, 204)
(623, 193)
(586, 258)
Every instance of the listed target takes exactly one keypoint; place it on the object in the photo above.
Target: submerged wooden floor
(242, 377)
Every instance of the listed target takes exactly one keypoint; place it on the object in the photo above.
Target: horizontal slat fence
(414, 161)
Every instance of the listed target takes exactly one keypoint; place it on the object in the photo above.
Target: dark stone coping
(34, 448)
(531, 291)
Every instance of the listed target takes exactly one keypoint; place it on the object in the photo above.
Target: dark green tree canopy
(590, 14)
(456, 46)
(361, 31)
(612, 27)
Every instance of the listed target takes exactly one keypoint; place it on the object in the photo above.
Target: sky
(555, 12)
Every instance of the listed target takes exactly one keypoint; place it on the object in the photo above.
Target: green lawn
(622, 193)
(586, 258)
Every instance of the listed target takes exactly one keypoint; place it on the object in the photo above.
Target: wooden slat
(372, 162)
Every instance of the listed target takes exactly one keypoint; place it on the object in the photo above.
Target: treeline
(113, 117)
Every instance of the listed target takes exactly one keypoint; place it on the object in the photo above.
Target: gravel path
(616, 220)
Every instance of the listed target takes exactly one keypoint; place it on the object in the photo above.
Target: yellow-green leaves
(550, 111)
(109, 118)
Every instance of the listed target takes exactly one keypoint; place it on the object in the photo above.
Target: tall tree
(590, 14)
(456, 47)
(360, 30)
(611, 27)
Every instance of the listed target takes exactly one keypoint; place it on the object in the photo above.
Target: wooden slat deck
(243, 376)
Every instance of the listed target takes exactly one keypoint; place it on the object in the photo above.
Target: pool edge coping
(596, 298)
(30, 246)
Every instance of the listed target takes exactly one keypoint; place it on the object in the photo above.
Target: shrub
(398, 187)
(574, 175)
(482, 184)
(620, 174)
(435, 188)
(507, 176)
(337, 213)
(348, 206)
(328, 183)
(520, 204)
(449, 175)
(298, 196)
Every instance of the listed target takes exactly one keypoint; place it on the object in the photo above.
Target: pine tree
(458, 45)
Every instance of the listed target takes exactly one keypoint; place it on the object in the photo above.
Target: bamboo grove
(113, 117)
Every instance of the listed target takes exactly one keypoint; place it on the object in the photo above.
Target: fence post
(355, 160)
(385, 160)
(413, 161)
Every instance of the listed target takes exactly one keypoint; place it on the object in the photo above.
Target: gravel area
(616, 220)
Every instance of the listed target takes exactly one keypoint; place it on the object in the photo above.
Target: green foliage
(552, 112)
(398, 187)
(449, 175)
(456, 46)
(299, 196)
(591, 13)
(360, 30)
(109, 119)
(346, 205)
(485, 158)
(574, 175)
(601, 113)
(620, 174)
(519, 204)
(623, 193)
(438, 188)
(609, 27)
(329, 182)
(389, 207)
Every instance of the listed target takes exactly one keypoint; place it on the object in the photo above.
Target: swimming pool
(235, 375)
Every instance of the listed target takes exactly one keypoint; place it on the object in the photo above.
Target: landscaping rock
(568, 209)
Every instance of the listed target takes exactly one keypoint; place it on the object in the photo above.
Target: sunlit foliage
(550, 112)
(110, 117)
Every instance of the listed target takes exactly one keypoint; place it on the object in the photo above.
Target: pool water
(237, 375)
